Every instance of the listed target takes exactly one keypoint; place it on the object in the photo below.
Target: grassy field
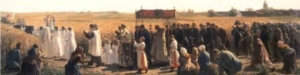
(108, 23)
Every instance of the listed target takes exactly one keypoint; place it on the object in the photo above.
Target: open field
(108, 23)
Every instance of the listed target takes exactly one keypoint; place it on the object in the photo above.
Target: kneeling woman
(72, 68)
(141, 56)
(186, 66)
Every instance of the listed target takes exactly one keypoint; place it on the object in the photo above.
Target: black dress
(29, 66)
(72, 68)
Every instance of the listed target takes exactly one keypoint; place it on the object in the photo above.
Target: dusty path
(105, 70)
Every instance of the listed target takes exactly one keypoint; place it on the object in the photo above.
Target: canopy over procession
(188, 49)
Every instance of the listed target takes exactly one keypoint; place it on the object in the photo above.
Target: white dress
(106, 57)
(141, 56)
(36, 32)
(71, 44)
(47, 43)
(63, 41)
(115, 54)
(56, 43)
(174, 55)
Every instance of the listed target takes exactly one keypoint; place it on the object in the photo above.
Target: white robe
(51, 24)
(95, 44)
(41, 38)
(47, 43)
(36, 32)
(63, 41)
(115, 54)
(71, 44)
(174, 55)
(107, 54)
(141, 56)
(57, 44)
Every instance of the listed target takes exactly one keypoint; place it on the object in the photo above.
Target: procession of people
(189, 51)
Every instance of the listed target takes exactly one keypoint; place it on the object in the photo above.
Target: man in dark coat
(208, 38)
(216, 41)
(186, 42)
(264, 35)
(179, 37)
(224, 37)
(201, 33)
(146, 34)
(237, 34)
(193, 34)
(13, 59)
(227, 62)
(276, 36)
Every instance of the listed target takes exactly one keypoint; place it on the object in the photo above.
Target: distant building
(265, 6)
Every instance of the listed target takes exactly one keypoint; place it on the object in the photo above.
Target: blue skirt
(71, 69)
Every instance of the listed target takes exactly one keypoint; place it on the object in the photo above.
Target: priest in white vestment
(141, 56)
(95, 44)
(174, 55)
(71, 43)
(56, 43)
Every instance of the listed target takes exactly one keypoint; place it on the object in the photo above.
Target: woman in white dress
(141, 56)
(174, 55)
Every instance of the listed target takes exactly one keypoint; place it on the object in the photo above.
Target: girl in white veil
(70, 43)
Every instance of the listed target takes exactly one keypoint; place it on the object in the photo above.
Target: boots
(98, 61)
(139, 72)
(172, 69)
(92, 61)
(147, 71)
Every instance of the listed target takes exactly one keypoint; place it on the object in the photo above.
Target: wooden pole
(142, 14)
(136, 13)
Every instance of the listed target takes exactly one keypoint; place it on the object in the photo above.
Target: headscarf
(201, 48)
(183, 50)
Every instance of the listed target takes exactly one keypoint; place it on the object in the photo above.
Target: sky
(129, 6)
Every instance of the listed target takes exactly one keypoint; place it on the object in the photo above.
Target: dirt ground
(113, 70)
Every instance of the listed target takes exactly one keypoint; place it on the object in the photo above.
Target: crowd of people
(190, 51)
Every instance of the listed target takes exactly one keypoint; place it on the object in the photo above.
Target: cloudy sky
(131, 5)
